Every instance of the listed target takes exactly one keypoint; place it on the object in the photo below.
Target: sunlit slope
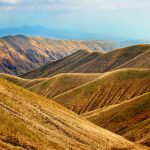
(61, 83)
(130, 119)
(109, 89)
(20, 81)
(33, 122)
(84, 61)
(53, 86)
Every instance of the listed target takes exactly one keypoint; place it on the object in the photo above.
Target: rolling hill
(19, 54)
(85, 61)
(141, 61)
(33, 122)
(130, 119)
(86, 92)
(21, 82)
(61, 83)
(109, 89)
(53, 86)
(114, 59)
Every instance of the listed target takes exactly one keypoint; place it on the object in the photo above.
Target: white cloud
(10, 1)
(99, 5)
(83, 5)
(109, 5)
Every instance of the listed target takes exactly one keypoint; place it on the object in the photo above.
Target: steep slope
(140, 61)
(95, 62)
(19, 54)
(111, 88)
(114, 59)
(130, 119)
(51, 87)
(43, 124)
(65, 65)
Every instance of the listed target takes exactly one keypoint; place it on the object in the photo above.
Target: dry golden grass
(20, 81)
(141, 61)
(53, 86)
(109, 89)
(29, 121)
(130, 119)
(116, 59)
(61, 83)
(86, 92)
(95, 62)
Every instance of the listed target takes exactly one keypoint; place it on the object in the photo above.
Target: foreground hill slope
(130, 119)
(53, 86)
(43, 124)
(96, 62)
(110, 88)
(19, 54)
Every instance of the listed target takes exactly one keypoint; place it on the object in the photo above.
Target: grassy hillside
(62, 83)
(130, 119)
(95, 62)
(114, 59)
(109, 89)
(140, 61)
(53, 86)
(19, 54)
(21, 82)
(33, 122)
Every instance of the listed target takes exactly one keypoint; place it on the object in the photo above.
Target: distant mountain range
(19, 54)
(71, 35)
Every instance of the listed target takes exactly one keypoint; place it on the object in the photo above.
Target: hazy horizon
(118, 18)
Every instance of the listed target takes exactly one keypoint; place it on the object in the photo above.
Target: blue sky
(123, 18)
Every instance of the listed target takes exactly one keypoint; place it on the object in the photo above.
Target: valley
(74, 75)
(130, 119)
(79, 98)
(33, 122)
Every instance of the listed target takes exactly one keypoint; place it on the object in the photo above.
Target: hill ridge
(136, 60)
(95, 62)
(102, 92)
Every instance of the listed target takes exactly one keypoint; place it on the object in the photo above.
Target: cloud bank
(52, 5)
